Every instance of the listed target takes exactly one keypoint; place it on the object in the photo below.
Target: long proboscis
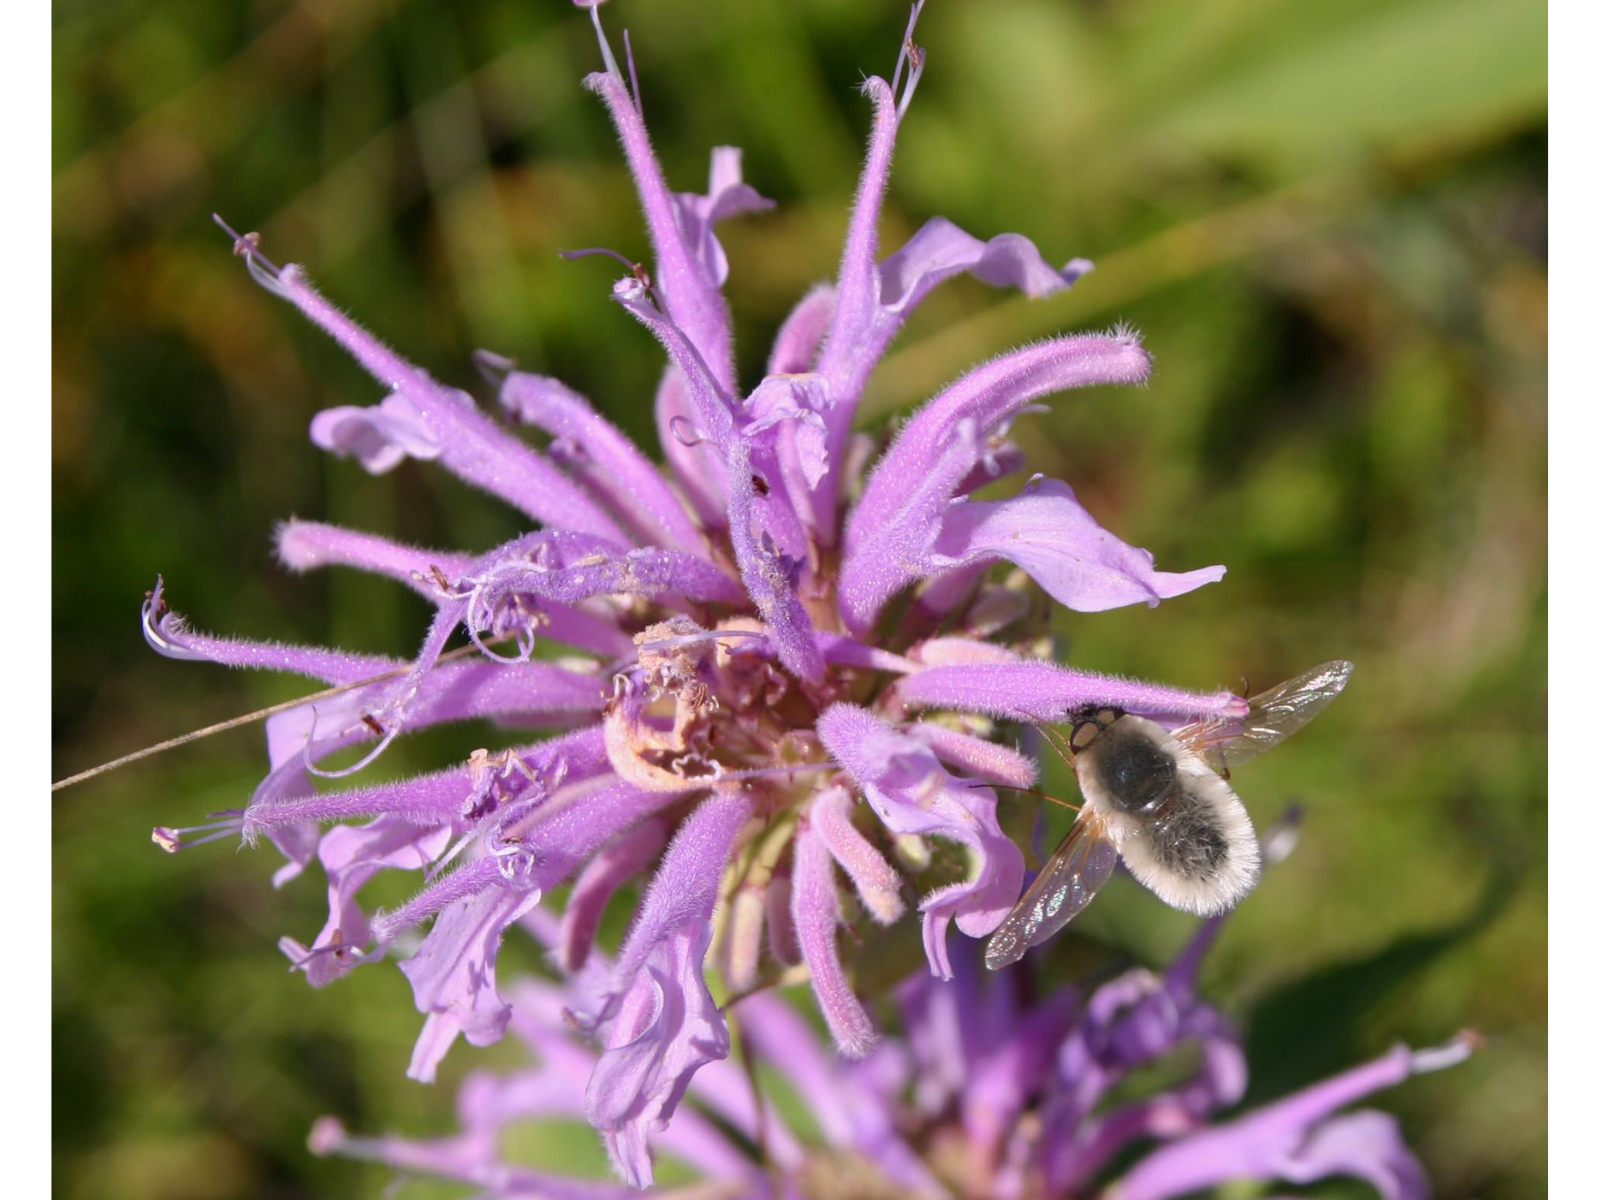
(260, 714)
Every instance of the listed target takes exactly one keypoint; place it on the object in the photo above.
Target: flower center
(707, 705)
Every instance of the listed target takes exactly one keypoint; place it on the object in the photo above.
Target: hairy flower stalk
(761, 662)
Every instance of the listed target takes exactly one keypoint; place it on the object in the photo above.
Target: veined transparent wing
(1076, 871)
(1274, 714)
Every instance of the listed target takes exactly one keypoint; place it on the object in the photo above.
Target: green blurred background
(1328, 219)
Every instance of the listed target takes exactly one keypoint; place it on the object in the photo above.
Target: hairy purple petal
(912, 793)
(892, 531)
(169, 635)
(536, 693)
(977, 756)
(938, 251)
(874, 299)
(986, 399)
(727, 195)
(1043, 693)
(305, 545)
(794, 349)
(604, 573)
(612, 466)
(445, 797)
(768, 572)
(857, 301)
(453, 974)
(816, 919)
(659, 1024)
(444, 422)
(380, 438)
(690, 265)
(1299, 1139)
(696, 469)
(598, 882)
(877, 883)
(1052, 537)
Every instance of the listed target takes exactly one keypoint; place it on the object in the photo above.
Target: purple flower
(731, 654)
(981, 1093)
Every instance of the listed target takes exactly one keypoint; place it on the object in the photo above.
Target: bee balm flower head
(983, 1092)
(751, 636)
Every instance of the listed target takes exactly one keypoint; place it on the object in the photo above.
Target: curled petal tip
(1454, 1052)
(495, 368)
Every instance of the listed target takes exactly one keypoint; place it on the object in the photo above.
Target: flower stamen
(173, 839)
(248, 246)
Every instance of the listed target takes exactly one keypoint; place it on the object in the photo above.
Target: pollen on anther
(167, 839)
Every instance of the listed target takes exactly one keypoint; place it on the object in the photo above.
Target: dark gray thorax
(1132, 768)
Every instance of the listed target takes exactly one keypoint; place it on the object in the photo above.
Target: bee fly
(1160, 801)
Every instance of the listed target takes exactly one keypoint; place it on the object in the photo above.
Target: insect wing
(1077, 870)
(1274, 714)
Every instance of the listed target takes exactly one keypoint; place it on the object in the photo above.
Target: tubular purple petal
(991, 395)
(688, 290)
(605, 573)
(658, 1024)
(599, 880)
(816, 920)
(857, 301)
(533, 693)
(794, 349)
(306, 545)
(1052, 537)
(989, 761)
(170, 636)
(696, 469)
(440, 797)
(1042, 693)
(877, 883)
(912, 793)
(612, 466)
(891, 532)
(938, 251)
(441, 422)
(1296, 1140)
